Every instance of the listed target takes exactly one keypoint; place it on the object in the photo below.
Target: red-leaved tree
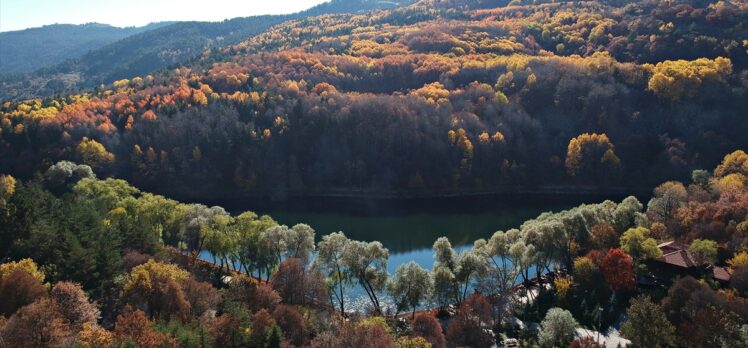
(426, 326)
(618, 270)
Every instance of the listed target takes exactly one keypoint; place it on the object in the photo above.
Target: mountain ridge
(34, 48)
(160, 48)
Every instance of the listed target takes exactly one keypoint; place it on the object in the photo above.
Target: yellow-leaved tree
(93, 153)
(591, 156)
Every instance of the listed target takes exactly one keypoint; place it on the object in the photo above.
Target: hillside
(156, 49)
(31, 49)
(445, 173)
(419, 100)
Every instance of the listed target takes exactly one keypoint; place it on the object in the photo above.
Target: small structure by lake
(678, 261)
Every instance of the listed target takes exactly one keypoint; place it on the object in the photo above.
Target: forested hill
(157, 49)
(27, 50)
(436, 97)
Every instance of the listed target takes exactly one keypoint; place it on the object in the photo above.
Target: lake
(409, 227)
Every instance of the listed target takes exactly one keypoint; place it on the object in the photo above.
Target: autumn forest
(102, 243)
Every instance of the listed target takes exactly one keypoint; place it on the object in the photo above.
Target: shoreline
(351, 194)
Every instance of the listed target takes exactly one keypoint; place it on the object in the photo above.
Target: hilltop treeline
(422, 99)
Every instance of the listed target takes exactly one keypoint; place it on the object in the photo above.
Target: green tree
(331, 251)
(557, 328)
(704, 250)
(411, 286)
(220, 240)
(367, 262)
(251, 253)
(469, 267)
(104, 194)
(637, 243)
(647, 325)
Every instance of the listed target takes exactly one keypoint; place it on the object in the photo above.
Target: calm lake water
(409, 227)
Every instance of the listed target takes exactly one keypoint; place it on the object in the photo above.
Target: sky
(22, 14)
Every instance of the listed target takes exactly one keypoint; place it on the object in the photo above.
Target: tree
(94, 336)
(591, 155)
(7, 188)
(473, 323)
(603, 236)
(264, 297)
(158, 286)
(186, 334)
(202, 296)
(286, 243)
(735, 162)
(410, 286)
(350, 335)
(220, 240)
(300, 242)
(676, 304)
(562, 285)
(18, 289)
(93, 153)
(704, 251)
(667, 198)
(586, 273)
(413, 342)
(479, 306)
(297, 285)
(626, 214)
(274, 338)
(195, 217)
(444, 254)
(557, 328)
(739, 280)
(446, 289)
(36, 325)
(62, 176)
(253, 254)
(262, 328)
(291, 323)
(133, 326)
(712, 327)
(636, 242)
(508, 257)
(701, 177)
(617, 268)
(27, 265)
(647, 325)
(674, 80)
(331, 250)
(469, 266)
(252, 294)
(74, 305)
(104, 194)
(367, 262)
(739, 260)
(425, 325)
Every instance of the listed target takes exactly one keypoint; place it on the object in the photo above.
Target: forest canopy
(429, 98)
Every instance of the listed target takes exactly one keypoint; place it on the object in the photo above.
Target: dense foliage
(437, 97)
(135, 255)
(421, 99)
(143, 51)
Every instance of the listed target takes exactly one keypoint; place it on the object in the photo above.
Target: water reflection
(409, 227)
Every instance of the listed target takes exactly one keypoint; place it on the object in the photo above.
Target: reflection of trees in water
(402, 233)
